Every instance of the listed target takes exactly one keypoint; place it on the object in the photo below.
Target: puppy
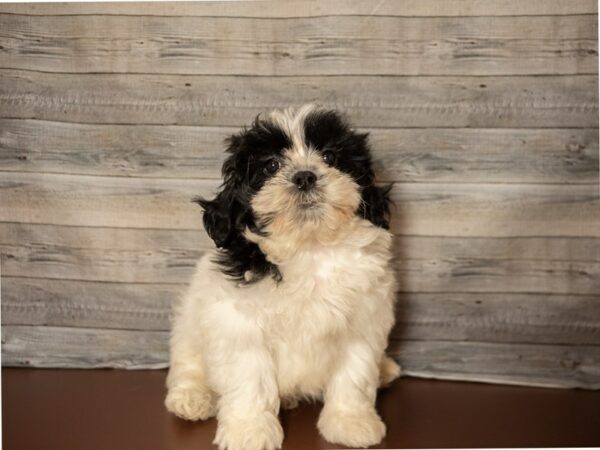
(298, 300)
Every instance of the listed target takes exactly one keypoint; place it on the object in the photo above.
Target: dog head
(292, 179)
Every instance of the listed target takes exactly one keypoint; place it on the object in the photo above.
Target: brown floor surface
(116, 409)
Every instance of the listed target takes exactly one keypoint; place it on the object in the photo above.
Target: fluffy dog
(298, 299)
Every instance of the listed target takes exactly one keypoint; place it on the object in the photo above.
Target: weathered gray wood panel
(313, 8)
(496, 171)
(549, 265)
(101, 254)
(559, 366)
(370, 101)
(83, 347)
(330, 45)
(436, 209)
(88, 304)
(489, 317)
(423, 264)
(537, 365)
(567, 155)
(495, 210)
(520, 318)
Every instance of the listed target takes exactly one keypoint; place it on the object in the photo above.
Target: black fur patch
(375, 205)
(329, 131)
(250, 150)
(227, 216)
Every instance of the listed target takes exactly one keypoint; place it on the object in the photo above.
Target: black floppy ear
(375, 205)
(217, 218)
(222, 216)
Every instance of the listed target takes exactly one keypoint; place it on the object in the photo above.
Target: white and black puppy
(298, 300)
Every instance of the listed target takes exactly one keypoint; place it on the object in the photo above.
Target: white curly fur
(239, 350)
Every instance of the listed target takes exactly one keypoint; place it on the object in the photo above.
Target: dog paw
(353, 429)
(191, 403)
(389, 370)
(261, 432)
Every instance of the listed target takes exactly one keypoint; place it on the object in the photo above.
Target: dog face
(295, 177)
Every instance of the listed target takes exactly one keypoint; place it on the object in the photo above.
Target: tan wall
(484, 115)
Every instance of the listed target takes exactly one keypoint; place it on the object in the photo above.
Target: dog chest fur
(298, 300)
(326, 296)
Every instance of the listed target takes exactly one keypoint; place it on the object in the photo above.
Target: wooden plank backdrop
(483, 115)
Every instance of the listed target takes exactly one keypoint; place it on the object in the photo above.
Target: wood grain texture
(88, 304)
(518, 318)
(103, 201)
(544, 365)
(423, 264)
(534, 365)
(438, 209)
(370, 101)
(101, 254)
(487, 317)
(83, 347)
(550, 265)
(486, 155)
(495, 210)
(313, 8)
(401, 154)
(484, 116)
(332, 45)
(422, 208)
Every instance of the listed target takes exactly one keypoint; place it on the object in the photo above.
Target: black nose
(304, 180)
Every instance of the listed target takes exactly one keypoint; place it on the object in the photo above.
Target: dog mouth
(309, 201)
(308, 204)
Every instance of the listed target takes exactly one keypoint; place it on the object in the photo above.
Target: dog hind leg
(389, 370)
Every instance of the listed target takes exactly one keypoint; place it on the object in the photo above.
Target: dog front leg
(248, 405)
(348, 416)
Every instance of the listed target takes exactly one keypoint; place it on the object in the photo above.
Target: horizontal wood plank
(483, 114)
(312, 8)
(448, 264)
(101, 254)
(332, 45)
(103, 201)
(88, 304)
(405, 154)
(124, 150)
(370, 101)
(439, 209)
(534, 365)
(423, 264)
(519, 318)
(544, 365)
(27, 346)
(495, 210)
(486, 317)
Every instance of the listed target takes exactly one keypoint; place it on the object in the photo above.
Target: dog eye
(329, 157)
(272, 166)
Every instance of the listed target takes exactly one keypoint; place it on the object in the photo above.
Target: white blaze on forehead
(304, 160)
(291, 121)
